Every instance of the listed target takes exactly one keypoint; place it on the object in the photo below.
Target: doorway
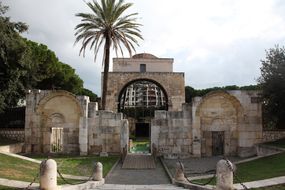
(218, 143)
(141, 142)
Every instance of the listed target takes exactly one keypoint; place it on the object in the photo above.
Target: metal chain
(89, 179)
(34, 180)
(235, 175)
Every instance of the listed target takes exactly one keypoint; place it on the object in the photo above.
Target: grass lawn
(140, 146)
(83, 166)
(276, 187)
(18, 169)
(279, 143)
(263, 168)
(7, 188)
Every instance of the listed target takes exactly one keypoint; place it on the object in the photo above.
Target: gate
(218, 143)
(56, 140)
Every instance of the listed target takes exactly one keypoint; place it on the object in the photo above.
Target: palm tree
(107, 25)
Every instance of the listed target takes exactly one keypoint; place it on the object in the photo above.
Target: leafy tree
(191, 92)
(272, 82)
(12, 54)
(25, 64)
(107, 25)
(93, 97)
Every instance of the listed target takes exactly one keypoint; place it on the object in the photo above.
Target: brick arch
(121, 91)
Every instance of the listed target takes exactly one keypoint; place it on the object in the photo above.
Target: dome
(144, 56)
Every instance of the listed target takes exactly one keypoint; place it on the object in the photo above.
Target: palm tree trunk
(106, 70)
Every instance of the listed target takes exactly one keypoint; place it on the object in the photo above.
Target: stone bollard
(48, 175)
(179, 172)
(224, 175)
(98, 172)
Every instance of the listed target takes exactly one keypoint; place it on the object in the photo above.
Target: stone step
(139, 187)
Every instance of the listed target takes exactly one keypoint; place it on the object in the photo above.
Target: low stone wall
(13, 134)
(269, 136)
(12, 148)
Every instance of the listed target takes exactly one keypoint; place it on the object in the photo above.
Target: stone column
(83, 125)
(98, 172)
(224, 175)
(48, 175)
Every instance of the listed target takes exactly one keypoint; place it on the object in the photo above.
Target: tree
(272, 82)
(12, 56)
(107, 25)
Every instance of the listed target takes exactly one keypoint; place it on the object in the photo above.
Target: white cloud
(215, 43)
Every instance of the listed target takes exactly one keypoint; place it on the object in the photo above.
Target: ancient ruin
(145, 99)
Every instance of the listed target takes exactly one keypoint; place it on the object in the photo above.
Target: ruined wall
(269, 136)
(16, 134)
(250, 129)
(171, 132)
(108, 132)
(172, 83)
(54, 109)
(235, 113)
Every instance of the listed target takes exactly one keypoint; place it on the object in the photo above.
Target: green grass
(8, 188)
(18, 169)
(263, 168)
(275, 187)
(279, 143)
(80, 165)
(140, 146)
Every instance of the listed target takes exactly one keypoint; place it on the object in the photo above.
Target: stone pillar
(179, 172)
(83, 125)
(48, 175)
(98, 172)
(224, 175)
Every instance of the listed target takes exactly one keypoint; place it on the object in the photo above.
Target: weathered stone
(224, 175)
(48, 175)
(98, 171)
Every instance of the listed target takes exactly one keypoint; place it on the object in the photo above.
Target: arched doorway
(138, 101)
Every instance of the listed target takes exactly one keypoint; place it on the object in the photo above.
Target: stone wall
(13, 134)
(269, 136)
(171, 132)
(235, 113)
(46, 110)
(172, 83)
(108, 132)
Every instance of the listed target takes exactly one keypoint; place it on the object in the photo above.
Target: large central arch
(148, 84)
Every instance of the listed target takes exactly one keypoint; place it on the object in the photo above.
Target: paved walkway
(138, 161)
(138, 176)
(262, 183)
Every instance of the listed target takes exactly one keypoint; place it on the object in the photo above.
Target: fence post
(48, 175)
(98, 172)
(224, 175)
(179, 172)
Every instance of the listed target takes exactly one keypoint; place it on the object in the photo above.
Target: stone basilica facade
(220, 123)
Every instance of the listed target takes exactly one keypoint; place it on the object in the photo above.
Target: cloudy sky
(215, 42)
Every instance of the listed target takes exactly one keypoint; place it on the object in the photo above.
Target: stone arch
(121, 91)
(172, 83)
(218, 113)
(59, 109)
(236, 103)
(58, 93)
